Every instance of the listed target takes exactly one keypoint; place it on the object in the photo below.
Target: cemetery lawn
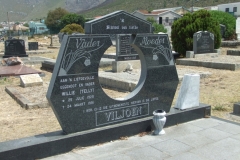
(220, 90)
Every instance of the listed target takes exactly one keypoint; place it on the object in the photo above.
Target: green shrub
(151, 19)
(226, 19)
(72, 18)
(157, 27)
(70, 28)
(184, 28)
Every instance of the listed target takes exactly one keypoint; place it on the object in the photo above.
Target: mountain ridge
(25, 10)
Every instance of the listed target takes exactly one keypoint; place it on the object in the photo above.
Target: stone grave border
(233, 52)
(23, 101)
(53, 143)
(230, 43)
(215, 65)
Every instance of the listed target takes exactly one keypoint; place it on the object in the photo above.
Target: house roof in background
(173, 9)
(152, 12)
(156, 13)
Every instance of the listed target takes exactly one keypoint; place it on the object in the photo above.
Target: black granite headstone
(78, 99)
(203, 42)
(15, 48)
(120, 22)
(32, 46)
(124, 50)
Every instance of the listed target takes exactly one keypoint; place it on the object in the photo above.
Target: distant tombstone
(203, 42)
(32, 46)
(60, 36)
(15, 48)
(55, 41)
(124, 50)
(222, 30)
(25, 38)
(77, 98)
(119, 22)
(238, 28)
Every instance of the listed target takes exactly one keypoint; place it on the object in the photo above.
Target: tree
(72, 18)
(71, 28)
(226, 19)
(184, 28)
(26, 24)
(159, 28)
(53, 19)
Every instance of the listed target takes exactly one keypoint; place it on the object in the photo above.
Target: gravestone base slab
(205, 55)
(218, 51)
(54, 47)
(48, 65)
(233, 52)
(49, 144)
(189, 54)
(119, 66)
(19, 55)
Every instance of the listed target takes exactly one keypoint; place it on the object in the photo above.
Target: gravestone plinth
(238, 28)
(78, 99)
(203, 42)
(15, 48)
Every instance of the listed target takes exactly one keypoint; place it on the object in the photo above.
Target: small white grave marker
(238, 28)
(30, 80)
(188, 96)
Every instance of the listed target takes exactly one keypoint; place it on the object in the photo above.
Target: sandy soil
(220, 90)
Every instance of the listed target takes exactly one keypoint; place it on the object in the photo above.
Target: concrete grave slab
(17, 70)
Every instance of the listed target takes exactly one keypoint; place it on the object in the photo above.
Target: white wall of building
(167, 17)
(230, 7)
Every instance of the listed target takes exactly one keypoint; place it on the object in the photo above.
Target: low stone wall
(230, 43)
